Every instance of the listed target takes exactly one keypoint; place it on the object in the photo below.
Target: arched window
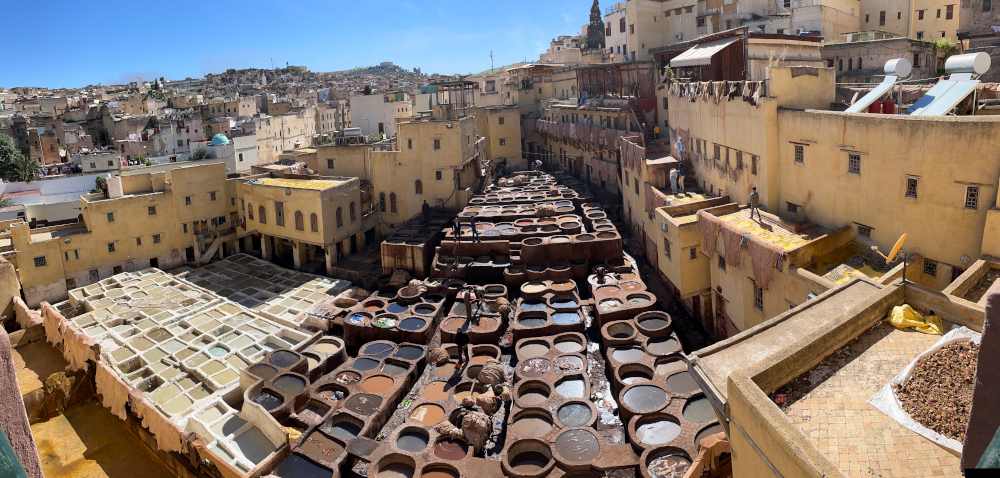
(392, 203)
(262, 214)
(299, 221)
(381, 202)
(354, 216)
(859, 63)
(419, 186)
(314, 222)
(250, 208)
(850, 64)
(340, 217)
(840, 66)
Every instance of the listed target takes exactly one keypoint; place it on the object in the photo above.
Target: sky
(110, 42)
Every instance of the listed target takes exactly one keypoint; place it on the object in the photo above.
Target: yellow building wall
(907, 22)
(688, 275)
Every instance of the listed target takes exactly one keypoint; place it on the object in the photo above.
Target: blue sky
(73, 44)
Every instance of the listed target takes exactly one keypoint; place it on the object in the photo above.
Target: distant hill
(373, 70)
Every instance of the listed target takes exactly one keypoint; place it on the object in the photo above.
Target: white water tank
(977, 63)
(900, 67)
(115, 187)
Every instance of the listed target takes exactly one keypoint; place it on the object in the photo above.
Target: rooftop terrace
(774, 231)
(315, 184)
(850, 261)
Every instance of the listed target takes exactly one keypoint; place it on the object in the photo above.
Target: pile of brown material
(475, 429)
(492, 373)
(503, 307)
(438, 356)
(415, 288)
(399, 278)
(938, 393)
(545, 210)
(977, 291)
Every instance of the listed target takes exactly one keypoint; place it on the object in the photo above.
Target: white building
(376, 113)
(615, 25)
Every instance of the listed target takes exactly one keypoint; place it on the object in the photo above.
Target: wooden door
(720, 317)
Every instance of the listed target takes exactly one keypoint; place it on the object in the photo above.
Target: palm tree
(22, 169)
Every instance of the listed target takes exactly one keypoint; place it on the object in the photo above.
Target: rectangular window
(718, 152)
(911, 188)
(920, 35)
(722, 262)
(987, 5)
(864, 231)
(111, 217)
(151, 210)
(899, 15)
(329, 164)
(409, 143)
(500, 120)
(631, 29)
(76, 253)
(793, 209)
(279, 213)
(739, 160)
(920, 14)
(437, 144)
(180, 143)
(111, 247)
(800, 153)
(636, 182)
(949, 12)
(621, 25)
(437, 175)
(930, 267)
(232, 201)
(212, 195)
(156, 238)
(916, 60)
(881, 18)
(187, 200)
(753, 165)
(666, 248)
(693, 253)
(40, 261)
(138, 241)
(241, 157)
(854, 163)
(243, 205)
(758, 297)
(503, 141)
(66, 254)
(185, 228)
(972, 197)
(866, 18)
(939, 13)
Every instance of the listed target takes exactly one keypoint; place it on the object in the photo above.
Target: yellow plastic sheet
(903, 316)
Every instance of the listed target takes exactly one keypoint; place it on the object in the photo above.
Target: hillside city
(717, 239)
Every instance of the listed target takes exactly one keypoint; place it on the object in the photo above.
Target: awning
(701, 54)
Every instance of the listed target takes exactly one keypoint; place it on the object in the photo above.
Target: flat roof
(316, 184)
(848, 261)
(774, 232)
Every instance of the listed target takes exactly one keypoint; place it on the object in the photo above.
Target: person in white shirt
(673, 181)
(680, 149)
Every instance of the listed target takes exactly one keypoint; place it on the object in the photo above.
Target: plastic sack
(903, 316)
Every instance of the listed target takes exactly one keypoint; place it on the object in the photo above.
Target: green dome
(219, 139)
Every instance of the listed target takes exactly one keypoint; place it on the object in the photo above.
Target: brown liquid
(446, 370)
(465, 390)
(429, 415)
(578, 446)
(434, 391)
(451, 449)
(395, 470)
(363, 404)
(439, 473)
(532, 426)
(528, 462)
(481, 358)
(321, 449)
(533, 349)
(377, 384)
(533, 396)
(563, 286)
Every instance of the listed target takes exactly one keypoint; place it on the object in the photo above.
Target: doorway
(189, 254)
(94, 276)
(354, 244)
(70, 284)
(116, 270)
(381, 128)
(720, 317)
(370, 236)
(955, 272)
(129, 266)
(155, 263)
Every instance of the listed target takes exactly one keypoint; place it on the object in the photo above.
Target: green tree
(368, 90)
(200, 154)
(6, 202)
(99, 182)
(595, 30)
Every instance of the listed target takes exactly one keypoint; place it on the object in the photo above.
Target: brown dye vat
(451, 449)
(578, 446)
(435, 391)
(533, 396)
(363, 404)
(321, 449)
(529, 462)
(668, 466)
(667, 367)
(263, 371)
(569, 363)
(446, 370)
(532, 425)
(626, 276)
(607, 291)
(533, 349)
(327, 347)
(452, 325)
(395, 470)
(568, 345)
(466, 389)
(630, 286)
(534, 368)
(439, 472)
(681, 383)
(562, 286)
(348, 377)
(485, 324)
(428, 415)
(481, 358)
(377, 384)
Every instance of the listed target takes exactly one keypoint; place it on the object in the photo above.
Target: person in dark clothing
(456, 228)
(426, 208)
(462, 341)
(475, 232)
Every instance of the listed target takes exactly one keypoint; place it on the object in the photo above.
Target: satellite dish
(895, 250)
(855, 98)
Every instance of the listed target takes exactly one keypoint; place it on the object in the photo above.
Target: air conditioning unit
(680, 35)
(799, 31)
